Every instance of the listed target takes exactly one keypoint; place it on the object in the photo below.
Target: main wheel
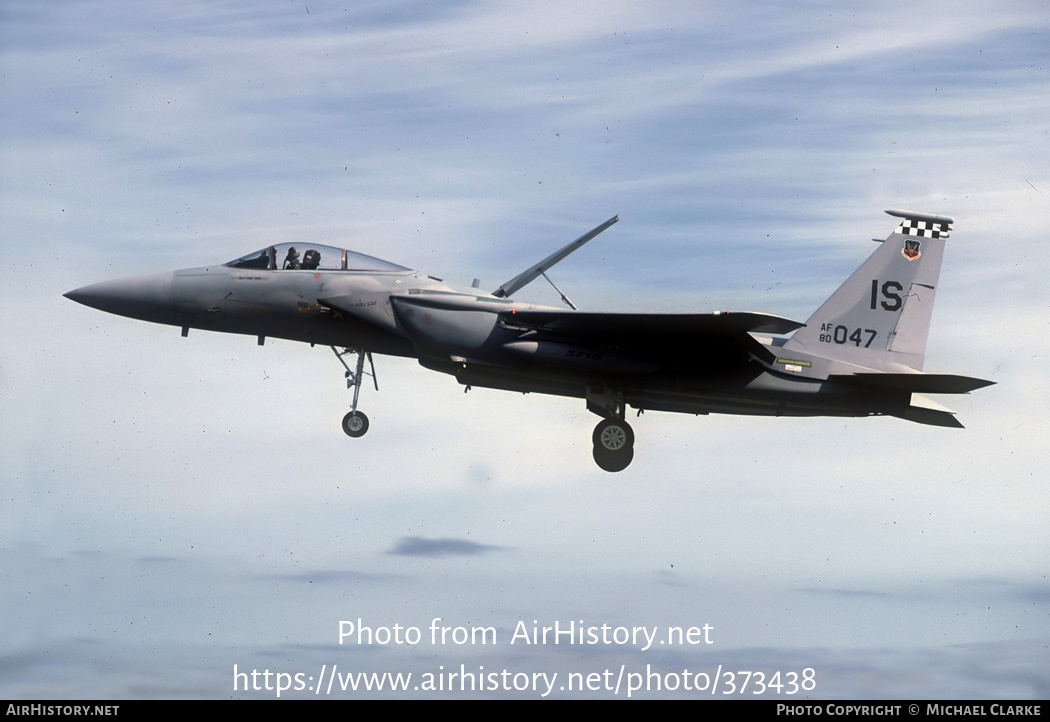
(355, 424)
(613, 435)
(613, 460)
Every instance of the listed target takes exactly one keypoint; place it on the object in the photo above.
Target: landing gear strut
(613, 438)
(355, 423)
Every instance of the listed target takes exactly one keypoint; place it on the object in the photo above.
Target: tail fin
(880, 317)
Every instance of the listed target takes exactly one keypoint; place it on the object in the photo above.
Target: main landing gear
(613, 444)
(355, 423)
(613, 438)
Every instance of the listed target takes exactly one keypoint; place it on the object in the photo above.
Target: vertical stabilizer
(880, 317)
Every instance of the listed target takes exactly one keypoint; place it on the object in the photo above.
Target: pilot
(311, 259)
(291, 261)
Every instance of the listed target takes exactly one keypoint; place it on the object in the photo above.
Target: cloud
(333, 576)
(843, 592)
(414, 546)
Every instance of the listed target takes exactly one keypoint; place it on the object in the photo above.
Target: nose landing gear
(355, 423)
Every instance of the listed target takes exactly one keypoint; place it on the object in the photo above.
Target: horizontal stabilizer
(915, 383)
(926, 411)
(930, 417)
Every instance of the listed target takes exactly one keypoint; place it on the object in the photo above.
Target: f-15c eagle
(860, 354)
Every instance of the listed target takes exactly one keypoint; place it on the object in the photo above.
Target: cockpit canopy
(311, 257)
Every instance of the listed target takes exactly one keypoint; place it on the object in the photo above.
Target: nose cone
(143, 297)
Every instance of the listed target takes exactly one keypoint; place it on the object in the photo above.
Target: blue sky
(172, 507)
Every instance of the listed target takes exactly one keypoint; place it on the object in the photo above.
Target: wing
(589, 324)
(720, 337)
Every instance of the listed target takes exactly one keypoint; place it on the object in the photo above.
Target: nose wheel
(613, 444)
(355, 423)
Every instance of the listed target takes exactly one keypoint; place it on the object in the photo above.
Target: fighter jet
(860, 354)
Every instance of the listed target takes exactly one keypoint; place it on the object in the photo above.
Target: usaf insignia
(911, 250)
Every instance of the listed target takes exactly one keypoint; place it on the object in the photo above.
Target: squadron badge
(911, 250)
